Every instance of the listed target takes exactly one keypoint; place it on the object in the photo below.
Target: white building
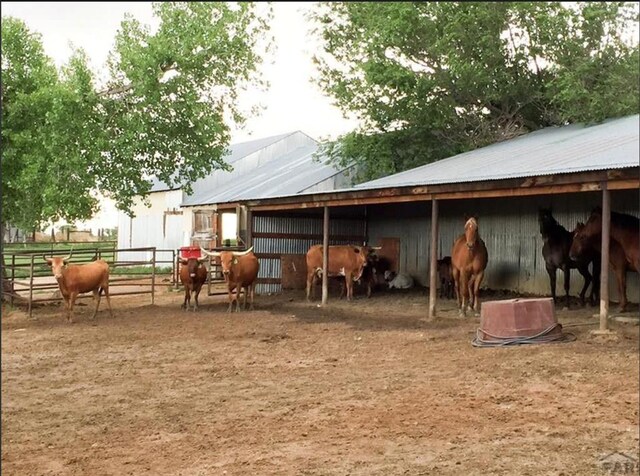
(274, 166)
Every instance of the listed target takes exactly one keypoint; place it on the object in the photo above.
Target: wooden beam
(434, 258)
(358, 239)
(565, 183)
(325, 256)
(604, 253)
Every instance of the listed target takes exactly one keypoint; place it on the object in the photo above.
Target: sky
(291, 103)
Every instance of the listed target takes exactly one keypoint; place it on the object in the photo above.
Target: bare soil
(368, 387)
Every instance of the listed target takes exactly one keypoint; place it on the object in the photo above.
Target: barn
(281, 164)
(568, 169)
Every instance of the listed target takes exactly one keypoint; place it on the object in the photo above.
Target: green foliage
(431, 79)
(165, 111)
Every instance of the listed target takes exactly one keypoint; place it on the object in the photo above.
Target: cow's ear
(184, 262)
(356, 249)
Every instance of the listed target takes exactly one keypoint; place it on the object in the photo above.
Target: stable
(416, 215)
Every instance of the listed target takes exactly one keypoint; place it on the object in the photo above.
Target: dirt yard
(363, 388)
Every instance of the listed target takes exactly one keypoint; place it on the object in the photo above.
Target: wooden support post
(249, 228)
(433, 268)
(604, 274)
(13, 277)
(325, 256)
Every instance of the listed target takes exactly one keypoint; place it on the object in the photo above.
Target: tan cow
(74, 279)
(240, 270)
(193, 275)
(344, 260)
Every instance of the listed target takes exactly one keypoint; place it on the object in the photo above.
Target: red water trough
(518, 321)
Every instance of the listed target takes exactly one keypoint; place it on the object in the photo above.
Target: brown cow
(75, 279)
(344, 260)
(240, 270)
(193, 275)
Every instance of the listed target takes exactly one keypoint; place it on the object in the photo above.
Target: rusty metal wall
(510, 230)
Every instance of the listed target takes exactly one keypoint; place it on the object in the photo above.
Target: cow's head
(57, 264)
(227, 258)
(192, 264)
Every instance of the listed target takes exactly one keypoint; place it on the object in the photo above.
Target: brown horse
(625, 229)
(469, 259)
(584, 245)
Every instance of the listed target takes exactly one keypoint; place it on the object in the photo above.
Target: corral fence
(27, 277)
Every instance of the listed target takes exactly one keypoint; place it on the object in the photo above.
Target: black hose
(540, 338)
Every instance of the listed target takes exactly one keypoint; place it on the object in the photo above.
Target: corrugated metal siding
(511, 233)
(271, 267)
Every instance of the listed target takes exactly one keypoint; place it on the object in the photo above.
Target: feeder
(187, 252)
(514, 318)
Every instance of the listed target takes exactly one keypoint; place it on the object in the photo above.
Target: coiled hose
(543, 337)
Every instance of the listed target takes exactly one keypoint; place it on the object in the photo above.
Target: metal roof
(287, 174)
(235, 153)
(612, 144)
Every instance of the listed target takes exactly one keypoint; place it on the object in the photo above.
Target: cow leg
(244, 298)
(71, 303)
(196, 293)
(230, 300)
(252, 295)
(96, 298)
(186, 294)
(310, 279)
(105, 288)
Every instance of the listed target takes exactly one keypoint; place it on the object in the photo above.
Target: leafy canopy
(431, 79)
(166, 109)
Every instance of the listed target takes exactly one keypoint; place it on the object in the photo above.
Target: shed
(566, 168)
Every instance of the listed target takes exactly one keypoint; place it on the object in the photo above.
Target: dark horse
(469, 259)
(557, 242)
(624, 246)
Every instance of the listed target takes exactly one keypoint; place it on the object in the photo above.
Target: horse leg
(584, 271)
(476, 289)
(551, 270)
(567, 279)
(595, 283)
(621, 279)
(456, 284)
(464, 290)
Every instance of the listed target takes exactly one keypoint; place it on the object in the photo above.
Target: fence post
(13, 278)
(153, 277)
(31, 286)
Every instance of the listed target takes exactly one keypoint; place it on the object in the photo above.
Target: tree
(428, 80)
(166, 109)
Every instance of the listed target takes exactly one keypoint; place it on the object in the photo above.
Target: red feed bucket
(187, 252)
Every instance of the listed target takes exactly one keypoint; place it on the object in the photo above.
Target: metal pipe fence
(27, 276)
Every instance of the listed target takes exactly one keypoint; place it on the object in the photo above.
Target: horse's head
(546, 220)
(471, 231)
(580, 242)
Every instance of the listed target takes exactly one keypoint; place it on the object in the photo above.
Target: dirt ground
(362, 388)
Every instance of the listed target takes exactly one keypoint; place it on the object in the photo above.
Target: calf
(193, 274)
(447, 286)
(240, 270)
(398, 281)
(74, 279)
